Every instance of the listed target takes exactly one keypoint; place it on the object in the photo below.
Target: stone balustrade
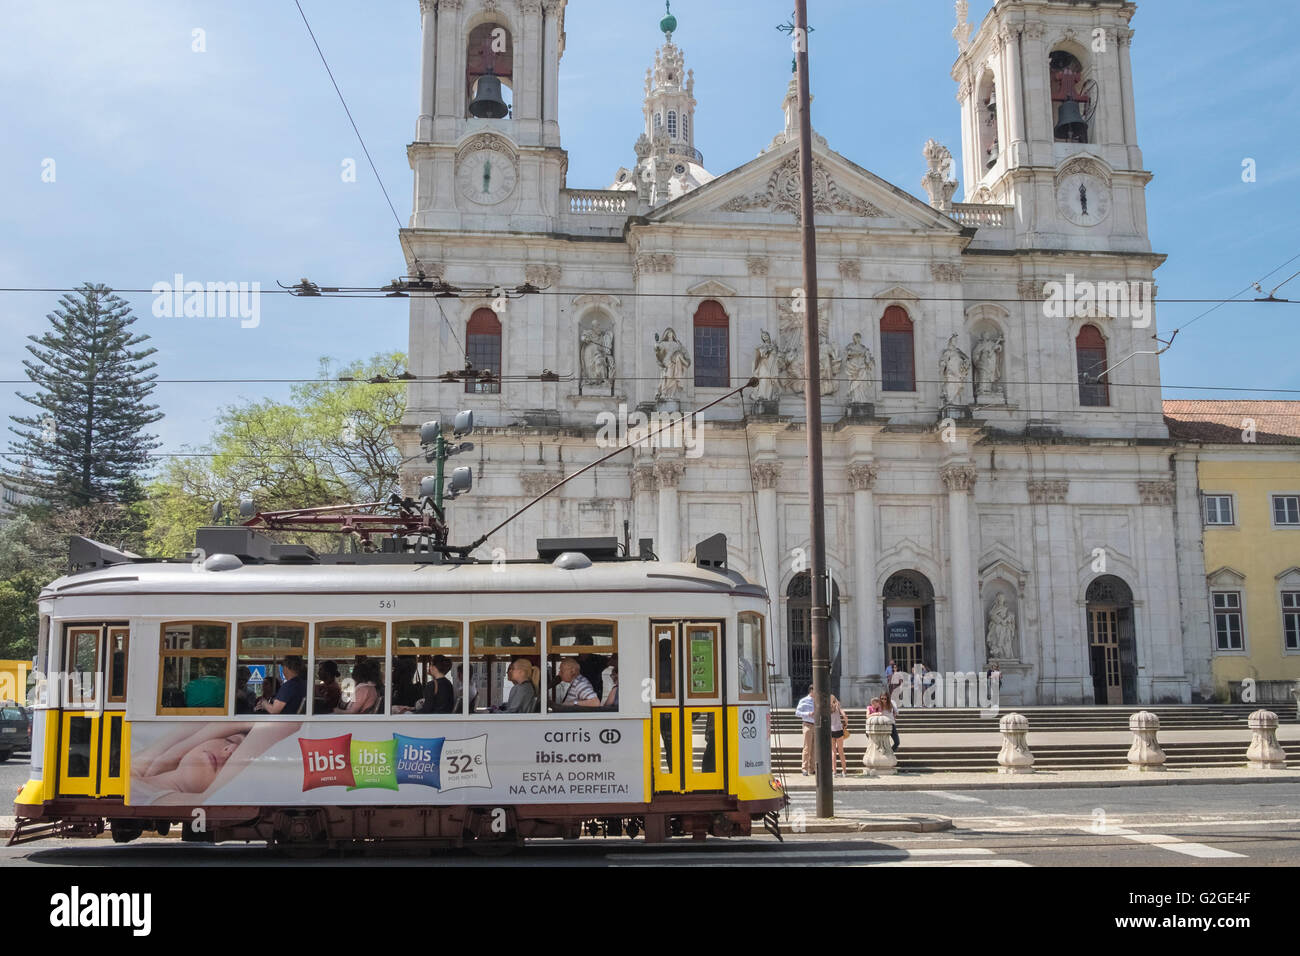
(982, 214)
(600, 202)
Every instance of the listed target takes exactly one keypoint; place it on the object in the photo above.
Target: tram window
(414, 644)
(665, 661)
(117, 645)
(582, 666)
(192, 678)
(702, 661)
(494, 647)
(703, 743)
(356, 649)
(751, 657)
(82, 665)
(263, 648)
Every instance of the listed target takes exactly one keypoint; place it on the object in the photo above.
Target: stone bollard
(879, 756)
(1015, 756)
(1145, 754)
(1264, 752)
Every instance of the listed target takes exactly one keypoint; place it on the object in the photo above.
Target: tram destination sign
(388, 762)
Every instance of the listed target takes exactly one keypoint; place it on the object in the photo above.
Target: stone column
(529, 56)
(871, 651)
(1125, 38)
(960, 479)
(551, 70)
(766, 474)
(644, 486)
(1038, 89)
(447, 65)
(428, 75)
(669, 546)
(1016, 101)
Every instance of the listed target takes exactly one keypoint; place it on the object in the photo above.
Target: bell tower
(1048, 121)
(487, 141)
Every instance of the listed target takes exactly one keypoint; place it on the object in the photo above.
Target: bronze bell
(488, 102)
(1070, 127)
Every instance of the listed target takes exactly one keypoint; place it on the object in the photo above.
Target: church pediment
(767, 190)
(711, 290)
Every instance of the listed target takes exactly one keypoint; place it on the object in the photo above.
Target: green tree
(330, 443)
(88, 438)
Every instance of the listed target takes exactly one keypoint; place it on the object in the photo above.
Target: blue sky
(225, 165)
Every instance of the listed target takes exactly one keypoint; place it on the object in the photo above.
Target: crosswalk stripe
(794, 854)
(1172, 843)
(958, 797)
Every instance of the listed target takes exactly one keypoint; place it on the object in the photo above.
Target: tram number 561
(387, 604)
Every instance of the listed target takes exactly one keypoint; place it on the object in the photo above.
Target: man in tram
(579, 693)
(293, 693)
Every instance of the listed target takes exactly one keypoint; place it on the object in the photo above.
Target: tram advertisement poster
(753, 754)
(233, 763)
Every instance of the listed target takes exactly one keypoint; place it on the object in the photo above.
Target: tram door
(687, 718)
(93, 758)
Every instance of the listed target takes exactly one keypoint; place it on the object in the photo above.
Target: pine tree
(87, 441)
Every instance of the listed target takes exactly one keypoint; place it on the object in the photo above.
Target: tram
(648, 711)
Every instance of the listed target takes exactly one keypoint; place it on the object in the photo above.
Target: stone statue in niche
(859, 363)
(767, 369)
(674, 364)
(954, 366)
(1001, 632)
(596, 352)
(829, 366)
(986, 357)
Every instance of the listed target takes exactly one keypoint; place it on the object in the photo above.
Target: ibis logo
(76, 909)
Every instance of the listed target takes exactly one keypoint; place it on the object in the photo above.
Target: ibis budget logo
(433, 762)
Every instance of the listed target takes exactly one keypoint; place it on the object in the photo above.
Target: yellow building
(1247, 458)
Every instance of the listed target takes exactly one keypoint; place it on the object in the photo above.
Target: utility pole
(821, 659)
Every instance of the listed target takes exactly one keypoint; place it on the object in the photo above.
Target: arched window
(1070, 104)
(712, 346)
(686, 127)
(898, 360)
(1094, 388)
(986, 115)
(483, 350)
(659, 120)
(489, 50)
(672, 123)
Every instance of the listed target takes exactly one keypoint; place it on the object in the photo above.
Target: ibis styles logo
(433, 762)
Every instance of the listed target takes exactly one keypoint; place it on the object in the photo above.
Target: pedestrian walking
(839, 734)
(805, 710)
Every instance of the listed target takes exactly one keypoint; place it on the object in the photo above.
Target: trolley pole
(812, 393)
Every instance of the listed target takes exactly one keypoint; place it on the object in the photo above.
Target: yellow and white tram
(147, 716)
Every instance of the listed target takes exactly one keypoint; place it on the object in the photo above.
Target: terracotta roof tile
(1216, 422)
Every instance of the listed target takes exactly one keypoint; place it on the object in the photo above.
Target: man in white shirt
(804, 710)
(579, 692)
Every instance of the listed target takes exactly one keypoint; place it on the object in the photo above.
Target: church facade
(1000, 482)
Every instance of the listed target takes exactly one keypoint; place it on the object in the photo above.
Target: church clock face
(486, 177)
(1083, 199)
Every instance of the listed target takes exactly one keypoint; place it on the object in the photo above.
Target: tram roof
(183, 578)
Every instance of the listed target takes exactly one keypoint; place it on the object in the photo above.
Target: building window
(659, 120)
(1094, 385)
(490, 51)
(672, 123)
(1291, 620)
(483, 351)
(686, 127)
(898, 360)
(1227, 621)
(712, 346)
(1218, 510)
(1286, 510)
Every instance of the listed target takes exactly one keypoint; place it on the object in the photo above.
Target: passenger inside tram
(406, 691)
(292, 695)
(439, 697)
(366, 695)
(522, 698)
(576, 689)
(208, 690)
(329, 693)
